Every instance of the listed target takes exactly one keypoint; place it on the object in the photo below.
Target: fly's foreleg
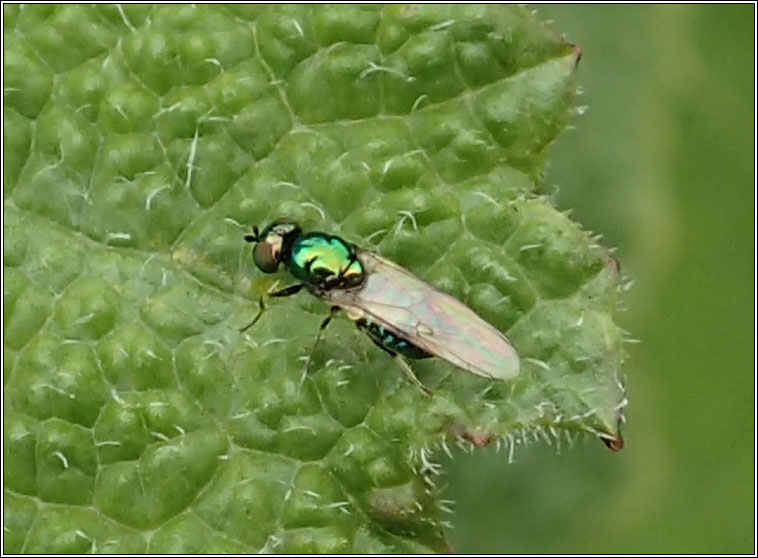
(287, 291)
(261, 309)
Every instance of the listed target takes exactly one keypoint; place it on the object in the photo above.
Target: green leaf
(142, 142)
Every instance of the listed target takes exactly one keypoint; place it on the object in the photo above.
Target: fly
(402, 314)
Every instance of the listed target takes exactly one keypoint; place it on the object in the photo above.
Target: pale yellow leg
(261, 309)
(332, 311)
(411, 376)
(289, 291)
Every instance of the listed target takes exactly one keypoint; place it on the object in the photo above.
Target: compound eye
(266, 257)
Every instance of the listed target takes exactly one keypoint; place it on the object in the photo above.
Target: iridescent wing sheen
(430, 319)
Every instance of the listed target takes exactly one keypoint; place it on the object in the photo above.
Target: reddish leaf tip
(614, 444)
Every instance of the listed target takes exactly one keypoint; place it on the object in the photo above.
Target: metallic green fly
(402, 314)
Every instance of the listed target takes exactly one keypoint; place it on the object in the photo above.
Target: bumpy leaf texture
(142, 142)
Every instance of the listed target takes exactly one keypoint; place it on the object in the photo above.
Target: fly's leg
(411, 376)
(287, 291)
(261, 309)
(332, 311)
(363, 325)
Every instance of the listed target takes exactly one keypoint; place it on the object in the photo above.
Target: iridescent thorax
(321, 259)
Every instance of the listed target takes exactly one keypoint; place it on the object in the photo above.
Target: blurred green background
(662, 165)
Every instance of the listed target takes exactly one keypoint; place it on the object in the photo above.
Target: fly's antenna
(255, 237)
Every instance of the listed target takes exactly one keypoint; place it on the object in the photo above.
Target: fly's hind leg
(332, 311)
(379, 341)
(411, 375)
(287, 291)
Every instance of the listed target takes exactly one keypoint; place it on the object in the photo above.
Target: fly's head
(273, 244)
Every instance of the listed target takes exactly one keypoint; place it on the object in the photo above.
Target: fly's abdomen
(391, 342)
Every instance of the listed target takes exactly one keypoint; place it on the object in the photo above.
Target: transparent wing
(430, 319)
